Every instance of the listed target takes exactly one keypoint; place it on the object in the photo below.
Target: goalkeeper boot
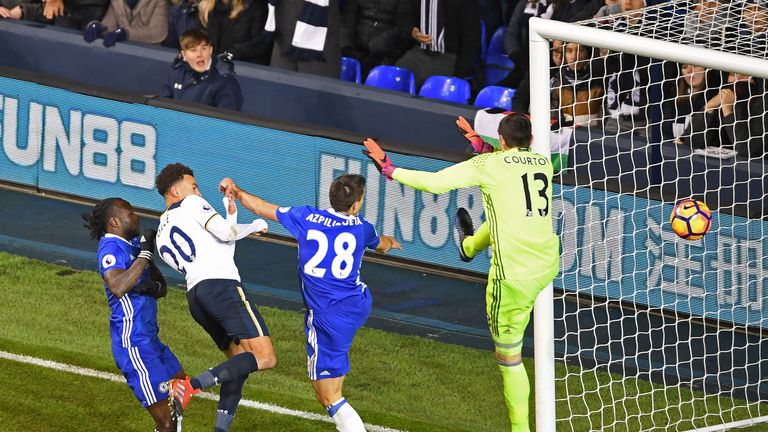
(464, 228)
(179, 393)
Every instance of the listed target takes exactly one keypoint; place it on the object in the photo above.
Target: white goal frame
(540, 32)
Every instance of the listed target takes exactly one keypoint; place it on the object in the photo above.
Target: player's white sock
(345, 417)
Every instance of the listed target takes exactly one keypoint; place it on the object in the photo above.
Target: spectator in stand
(750, 135)
(516, 35)
(726, 116)
(683, 97)
(708, 21)
(137, 20)
(577, 88)
(184, 16)
(199, 77)
(446, 38)
(236, 28)
(753, 30)
(369, 32)
(13, 9)
(491, 13)
(521, 102)
(74, 14)
(307, 36)
(628, 75)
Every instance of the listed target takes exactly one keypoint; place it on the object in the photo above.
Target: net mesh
(654, 332)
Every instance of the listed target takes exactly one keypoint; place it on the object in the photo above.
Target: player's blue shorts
(330, 333)
(223, 309)
(147, 368)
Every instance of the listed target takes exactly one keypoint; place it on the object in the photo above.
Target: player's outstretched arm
(453, 177)
(386, 243)
(477, 143)
(251, 202)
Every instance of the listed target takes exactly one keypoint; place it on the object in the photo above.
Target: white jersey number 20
(183, 247)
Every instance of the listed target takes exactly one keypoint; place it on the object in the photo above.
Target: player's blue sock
(235, 367)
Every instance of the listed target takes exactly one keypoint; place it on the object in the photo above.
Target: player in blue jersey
(331, 246)
(133, 284)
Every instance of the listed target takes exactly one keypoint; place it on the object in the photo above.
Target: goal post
(733, 262)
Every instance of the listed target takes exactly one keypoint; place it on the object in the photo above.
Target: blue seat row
(445, 88)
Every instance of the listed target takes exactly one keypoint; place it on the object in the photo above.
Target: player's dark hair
(170, 175)
(96, 221)
(516, 130)
(345, 191)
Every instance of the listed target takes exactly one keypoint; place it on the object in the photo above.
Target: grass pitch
(401, 382)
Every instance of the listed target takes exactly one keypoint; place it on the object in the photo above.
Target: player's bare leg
(163, 411)
(164, 419)
(328, 392)
(260, 347)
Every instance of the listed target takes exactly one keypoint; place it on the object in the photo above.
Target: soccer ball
(691, 219)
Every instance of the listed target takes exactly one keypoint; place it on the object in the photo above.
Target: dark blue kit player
(133, 284)
(331, 247)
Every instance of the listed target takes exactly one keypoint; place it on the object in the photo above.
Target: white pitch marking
(205, 395)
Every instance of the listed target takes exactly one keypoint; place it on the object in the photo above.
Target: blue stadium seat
(497, 67)
(350, 70)
(496, 45)
(495, 97)
(393, 78)
(446, 88)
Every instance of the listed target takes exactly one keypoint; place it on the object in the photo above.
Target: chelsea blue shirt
(331, 246)
(133, 318)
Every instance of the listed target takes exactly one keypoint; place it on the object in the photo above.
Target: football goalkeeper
(517, 198)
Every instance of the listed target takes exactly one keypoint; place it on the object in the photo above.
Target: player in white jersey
(198, 242)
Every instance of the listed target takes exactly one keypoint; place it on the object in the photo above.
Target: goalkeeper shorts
(508, 305)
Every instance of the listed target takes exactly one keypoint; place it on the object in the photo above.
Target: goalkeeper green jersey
(517, 195)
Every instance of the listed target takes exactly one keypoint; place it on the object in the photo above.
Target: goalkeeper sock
(516, 391)
(345, 417)
(236, 366)
(477, 242)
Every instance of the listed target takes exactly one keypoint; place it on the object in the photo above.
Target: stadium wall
(268, 92)
(60, 140)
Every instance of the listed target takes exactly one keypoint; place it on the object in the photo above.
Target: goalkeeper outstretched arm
(457, 176)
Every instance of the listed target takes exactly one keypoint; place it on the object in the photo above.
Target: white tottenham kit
(196, 241)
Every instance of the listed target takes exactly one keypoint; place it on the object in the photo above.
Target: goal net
(657, 104)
